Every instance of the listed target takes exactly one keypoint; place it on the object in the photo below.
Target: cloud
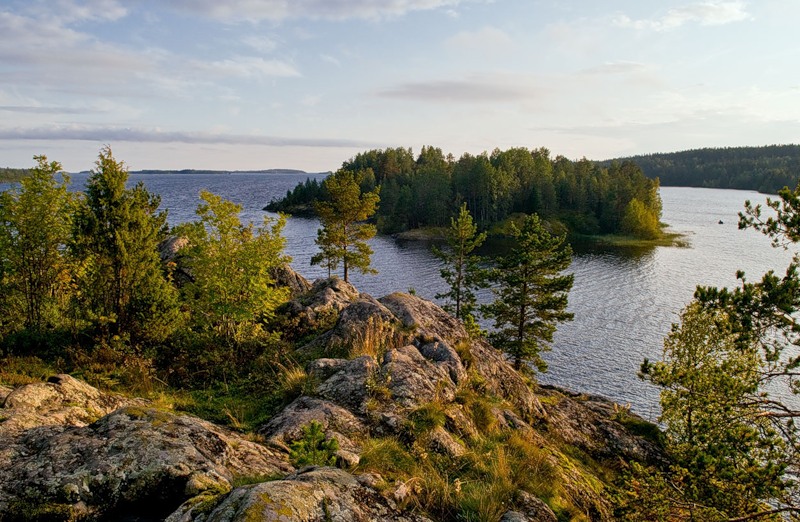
(330, 59)
(465, 91)
(258, 10)
(483, 40)
(262, 44)
(615, 68)
(31, 109)
(120, 134)
(247, 67)
(704, 13)
(66, 12)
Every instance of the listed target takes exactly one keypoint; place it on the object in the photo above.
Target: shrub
(313, 448)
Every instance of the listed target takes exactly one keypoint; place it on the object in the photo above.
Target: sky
(307, 84)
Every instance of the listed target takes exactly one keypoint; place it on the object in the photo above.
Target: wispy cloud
(246, 67)
(704, 13)
(249, 10)
(113, 134)
(614, 68)
(261, 44)
(31, 109)
(486, 39)
(470, 90)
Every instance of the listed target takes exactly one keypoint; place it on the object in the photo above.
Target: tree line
(765, 169)
(428, 189)
(9, 175)
(82, 274)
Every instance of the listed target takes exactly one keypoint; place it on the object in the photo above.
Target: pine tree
(531, 296)
(345, 234)
(123, 289)
(462, 270)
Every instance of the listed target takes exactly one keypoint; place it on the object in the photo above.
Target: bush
(313, 449)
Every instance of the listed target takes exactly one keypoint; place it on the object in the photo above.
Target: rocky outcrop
(598, 427)
(62, 400)
(4, 391)
(135, 460)
(310, 494)
(285, 275)
(398, 370)
(338, 423)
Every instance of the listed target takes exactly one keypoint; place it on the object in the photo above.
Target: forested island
(765, 169)
(10, 175)
(188, 374)
(426, 190)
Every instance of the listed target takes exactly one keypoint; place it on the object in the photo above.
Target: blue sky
(256, 84)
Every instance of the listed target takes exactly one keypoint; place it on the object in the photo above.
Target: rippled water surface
(624, 300)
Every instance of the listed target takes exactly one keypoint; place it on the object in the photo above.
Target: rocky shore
(379, 370)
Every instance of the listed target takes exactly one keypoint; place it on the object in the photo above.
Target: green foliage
(591, 198)
(313, 449)
(715, 429)
(298, 200)
(461, 269)
(8, 175)
(531, 295)
(35, 271)
(766, 169)
(784, 226)
(121, 286)
(640, 222)
(426, 418)
(232, 292)
(343, 236)
(728, 369)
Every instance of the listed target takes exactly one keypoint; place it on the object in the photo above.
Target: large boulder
(415, 380)
(339, 423)
(431, 324)
(285, 275)
(343, 381)
(135, 461)
(316, 310)
(62, 400)
(311, 494)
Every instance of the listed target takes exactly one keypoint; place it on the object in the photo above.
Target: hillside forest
(765, 169)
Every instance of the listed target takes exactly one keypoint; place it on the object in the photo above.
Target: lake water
(624, 300)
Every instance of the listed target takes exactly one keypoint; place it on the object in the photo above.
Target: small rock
(347, 459)
(534, 508)
(370, 480)
(442, 442)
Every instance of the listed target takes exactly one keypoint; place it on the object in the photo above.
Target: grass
(667, 239)
(17, 371)
(423, 234)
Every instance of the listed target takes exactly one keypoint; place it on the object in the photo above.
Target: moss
(28, 512)
(205, 502)
(643, 428)
(255, 512)
(246, 480)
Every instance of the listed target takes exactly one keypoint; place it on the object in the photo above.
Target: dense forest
(427, 190)
(9, 174)
(765, 169)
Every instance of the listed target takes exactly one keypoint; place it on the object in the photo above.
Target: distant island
(207, 171)
(765, 169)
